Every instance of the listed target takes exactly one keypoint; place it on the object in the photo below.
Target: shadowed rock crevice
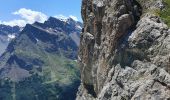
(124, 55)
(90, 89)
(129, 42)
(105, 22)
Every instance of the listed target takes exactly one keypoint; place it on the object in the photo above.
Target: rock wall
(124, 51)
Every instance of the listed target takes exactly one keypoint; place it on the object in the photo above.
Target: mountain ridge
(7, 33)
(41, 62)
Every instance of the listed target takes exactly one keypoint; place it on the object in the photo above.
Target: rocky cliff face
(7, 33)
(124, 51)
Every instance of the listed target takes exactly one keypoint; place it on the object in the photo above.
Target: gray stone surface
(124, 53)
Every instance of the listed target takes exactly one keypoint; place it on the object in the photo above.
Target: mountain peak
(7, 33)
(52, 18)
(66, 19)
(43, 54)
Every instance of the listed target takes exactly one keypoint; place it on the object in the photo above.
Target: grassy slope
(165, 13)
(56, 79)
(57, 73)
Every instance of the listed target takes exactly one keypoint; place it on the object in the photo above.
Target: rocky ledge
(124, 51)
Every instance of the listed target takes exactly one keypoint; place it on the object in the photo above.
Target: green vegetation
(58, 76)
(32, 88)
(54, 76)
(165, 13)
(40, 64)
(54, 67)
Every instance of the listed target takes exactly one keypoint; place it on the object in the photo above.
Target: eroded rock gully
(124, 51)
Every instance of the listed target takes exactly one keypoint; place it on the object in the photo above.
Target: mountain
(125, 50)
(7, 33)
(40, 63)
(69, 27)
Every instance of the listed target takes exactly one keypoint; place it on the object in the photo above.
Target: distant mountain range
(39, 62)
(7, 33)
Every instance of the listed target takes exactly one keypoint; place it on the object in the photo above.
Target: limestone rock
(124, 51)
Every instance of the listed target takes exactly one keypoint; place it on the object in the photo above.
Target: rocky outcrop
(124, 51)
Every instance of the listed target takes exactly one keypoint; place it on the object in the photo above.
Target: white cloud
(27, 16)
(31, 16)
(66, 17)
(14, 23)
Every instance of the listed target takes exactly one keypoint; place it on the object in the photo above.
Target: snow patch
(65, 18)
(11, 36)
(79, 27)
(37, 40)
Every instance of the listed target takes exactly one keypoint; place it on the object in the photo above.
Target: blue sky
(14, 10)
